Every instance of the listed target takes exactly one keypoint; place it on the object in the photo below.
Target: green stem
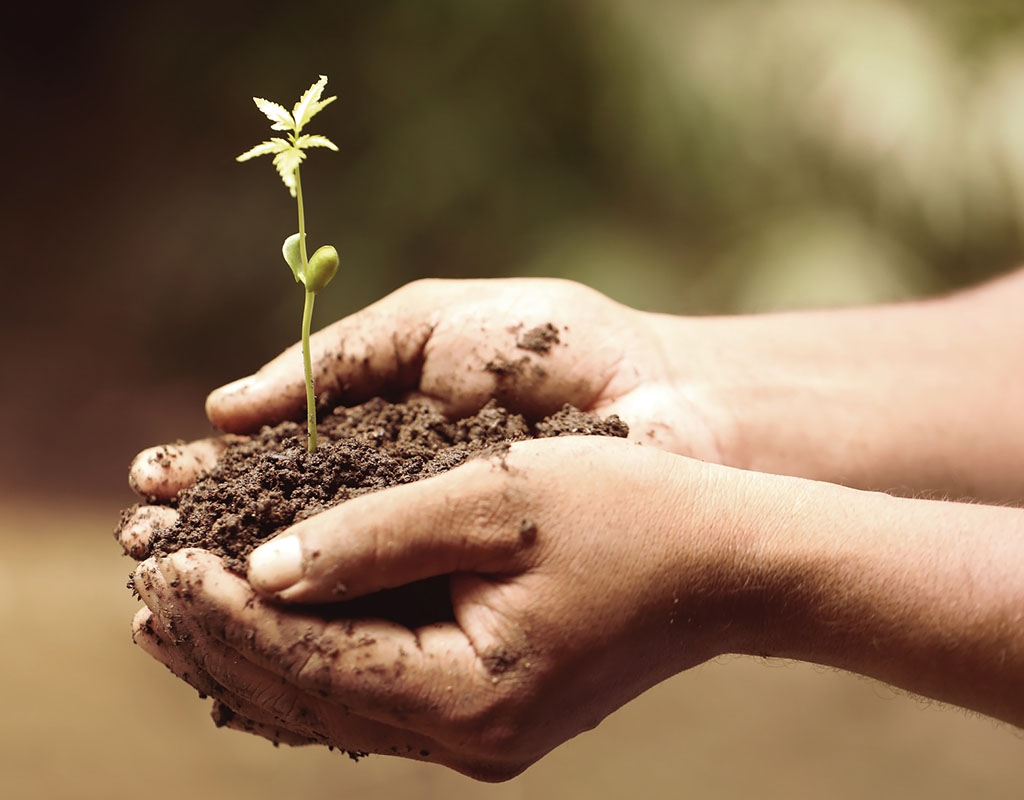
(302, 220)
(307, 316)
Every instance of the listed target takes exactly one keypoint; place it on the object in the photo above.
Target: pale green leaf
(276, 113)
(287, 161)
(310, 97)
(293, 256)
(316, 108)
(269, 147)
(315, 140)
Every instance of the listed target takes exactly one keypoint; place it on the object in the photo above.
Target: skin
(721, 527)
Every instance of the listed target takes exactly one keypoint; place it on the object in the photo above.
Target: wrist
(853, 396)
(722, 558)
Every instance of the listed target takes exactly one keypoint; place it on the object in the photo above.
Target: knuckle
(313, 672)
(279, 704)
(422, 286)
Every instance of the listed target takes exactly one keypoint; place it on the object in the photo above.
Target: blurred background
(686, 156)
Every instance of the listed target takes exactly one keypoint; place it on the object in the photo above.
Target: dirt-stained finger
(138, 526)
(152, 638)
(159, 473)
(318, 717)
(326, 715)
(228, 709)
(259, 699)
(377, 669)
(224, 716)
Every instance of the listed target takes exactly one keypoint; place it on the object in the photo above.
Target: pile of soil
(265, 483)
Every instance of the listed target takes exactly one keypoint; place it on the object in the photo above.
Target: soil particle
(527, 532)
(500, 661)
(540, 339)
(506, 368)
(221, 714)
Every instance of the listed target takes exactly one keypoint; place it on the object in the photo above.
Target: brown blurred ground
(689, 156)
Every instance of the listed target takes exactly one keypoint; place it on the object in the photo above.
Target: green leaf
(276, 113)
(287, 161)
(293, 256)
(315, 140)
(310, 98)
(274, 145)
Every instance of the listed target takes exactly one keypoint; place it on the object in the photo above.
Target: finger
(138, 526)
(261, 696)
(228, 709)
(376, 350)
(154, 640)
(314, 717)
(456, 522)
(378, 669)
(184, 652)
(224, 716)
(159, 473)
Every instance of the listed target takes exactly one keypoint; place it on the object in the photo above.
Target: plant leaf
(276, 113)
(274, 145)
(287, 161)
(311, 97)
(316, 108)
(293, 256)
(315, 140)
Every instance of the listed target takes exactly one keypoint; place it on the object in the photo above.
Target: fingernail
(276, 565)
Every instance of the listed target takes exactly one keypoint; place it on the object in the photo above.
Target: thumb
(376, 350)
(461, 521)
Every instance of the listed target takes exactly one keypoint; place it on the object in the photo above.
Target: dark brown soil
(265, 483)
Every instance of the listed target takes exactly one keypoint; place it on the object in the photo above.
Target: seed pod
(322, 267)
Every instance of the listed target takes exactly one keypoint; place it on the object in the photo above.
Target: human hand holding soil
(543, 644)
(583, 571)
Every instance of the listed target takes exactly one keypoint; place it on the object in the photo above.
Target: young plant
(316, 272)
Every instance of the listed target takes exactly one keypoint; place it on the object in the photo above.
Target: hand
(457, 344)
(582, 571)
(460, 343)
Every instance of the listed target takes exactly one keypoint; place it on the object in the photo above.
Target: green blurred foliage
(688, 156)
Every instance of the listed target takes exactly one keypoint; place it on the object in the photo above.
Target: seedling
(316, 272)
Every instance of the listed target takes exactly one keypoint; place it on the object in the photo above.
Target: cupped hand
(534, 344)
(582, 571)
